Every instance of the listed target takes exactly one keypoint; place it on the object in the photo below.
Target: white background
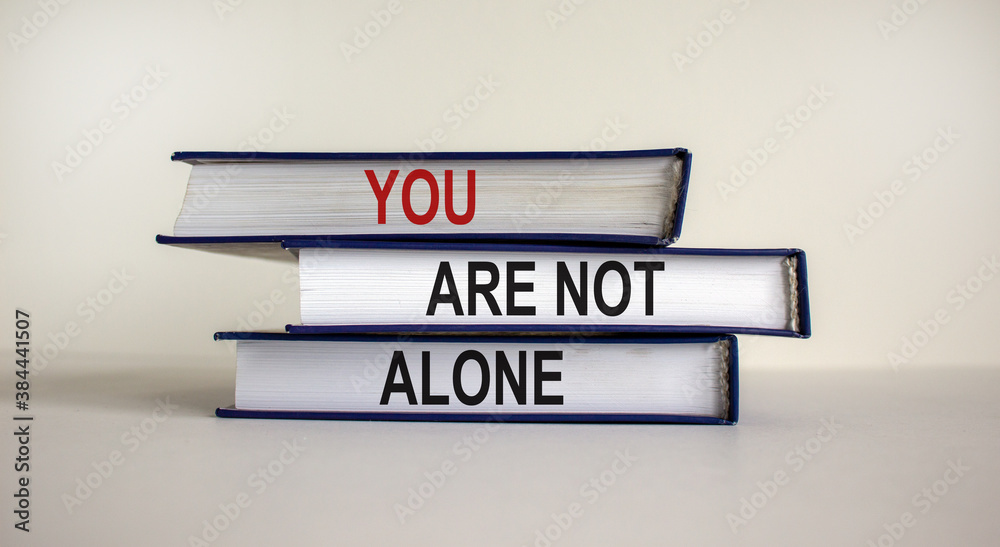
(604, 75)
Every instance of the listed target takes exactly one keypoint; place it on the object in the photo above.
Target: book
(240, 198)
(356, 286)
(486, 378)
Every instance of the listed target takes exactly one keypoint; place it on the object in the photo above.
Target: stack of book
(534, 286)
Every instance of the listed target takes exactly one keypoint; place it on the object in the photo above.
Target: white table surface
(895, 436)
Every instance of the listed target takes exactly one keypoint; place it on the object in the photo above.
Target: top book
(634, 196)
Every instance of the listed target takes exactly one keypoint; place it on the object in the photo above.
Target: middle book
(359, 286)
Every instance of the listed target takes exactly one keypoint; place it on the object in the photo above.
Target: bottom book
(527, 378)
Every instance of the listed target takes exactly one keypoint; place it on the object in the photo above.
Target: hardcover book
(396, 287)
(233, 198)
(487, 378)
